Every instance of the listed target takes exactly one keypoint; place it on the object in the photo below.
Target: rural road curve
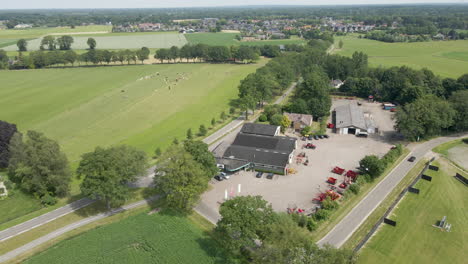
(25, 248)
(8, 233)
(348, 225)
(43, 219)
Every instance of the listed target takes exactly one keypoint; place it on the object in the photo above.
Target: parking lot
(300, 188)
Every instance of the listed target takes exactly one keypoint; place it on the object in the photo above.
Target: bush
(302, 220)
(329, 204)
(465, 140)
(263, 118)
(47, 199)
(311, 224)
(322, 214)
(354, 188)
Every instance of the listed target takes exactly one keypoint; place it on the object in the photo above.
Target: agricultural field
(119, 41)
(144, 106)
(143, 238)
(228, 39)
(456, 151)
(414, 239)
(32, 33)
(445, 58)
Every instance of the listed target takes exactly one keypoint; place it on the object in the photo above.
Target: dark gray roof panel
(281, 144)
(261, 156)
(259, 129)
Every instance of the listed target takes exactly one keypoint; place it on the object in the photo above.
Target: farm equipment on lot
(338, 170)
(292, 171)
(331, 180)
(352, 174)
(333, 195)
(310, 146)
(343, 185)
(330, 125)
(330, 193)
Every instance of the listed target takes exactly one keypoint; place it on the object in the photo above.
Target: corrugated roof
(303, 118)
(349, 115)
(255, 155)
(282, 144)
(259, 129)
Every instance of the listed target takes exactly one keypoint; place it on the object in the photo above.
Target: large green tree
(38, 165)
(143, 54)
(425, 117)
(459, 102)
(91, 43)
(107, 172)
(181, 178)
(48, 41)
(7, 131)
(201, 154)
(372, 165)
(65, 42)
(244, 220)
(22, 45)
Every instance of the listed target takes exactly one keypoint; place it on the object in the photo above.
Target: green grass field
(228, 39)
(16, 205)
(156, 238)
(99, 106)
(38, 32)
(111, 41)
(414, 239)
(445, 58)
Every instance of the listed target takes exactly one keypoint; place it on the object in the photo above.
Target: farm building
(260, 129)
(299, 121)
(349, 119)
(258, 146)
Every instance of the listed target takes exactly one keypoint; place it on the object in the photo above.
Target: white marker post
(225, 195)
(239, 188)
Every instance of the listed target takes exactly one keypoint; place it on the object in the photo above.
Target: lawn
(445, 58)
(143, 238)
(86, 107)
(414, 239)
(118, 41)
(228, 39)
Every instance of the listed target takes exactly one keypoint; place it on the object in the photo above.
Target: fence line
(390, 209)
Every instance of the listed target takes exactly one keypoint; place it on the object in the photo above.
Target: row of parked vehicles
(223, 176)
(316, 137)
(269, 175)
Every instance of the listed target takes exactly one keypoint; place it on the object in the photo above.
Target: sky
(48, 4)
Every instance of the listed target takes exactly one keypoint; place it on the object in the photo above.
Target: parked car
(310, 146)
(219, 178)
(325, 136)
(364, 135)
(316, 137)
(270, 176)
(321, 136)
(310, 137)
(259, 174)
(412, 158)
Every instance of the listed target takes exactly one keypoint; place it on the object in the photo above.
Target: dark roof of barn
(278, 144)
(259, 129)
(260, 156)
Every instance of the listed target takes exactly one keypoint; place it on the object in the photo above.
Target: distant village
(250, 30)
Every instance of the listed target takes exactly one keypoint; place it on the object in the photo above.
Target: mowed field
(156, 238)
(228, 39)
(144, 106)
(31, 33)
(445, 58)
(414, 239)
(111, 41)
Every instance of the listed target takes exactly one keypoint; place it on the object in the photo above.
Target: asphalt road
(349, 224)
(31, 245)
(43, 219)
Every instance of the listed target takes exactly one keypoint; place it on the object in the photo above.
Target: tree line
(51, 43)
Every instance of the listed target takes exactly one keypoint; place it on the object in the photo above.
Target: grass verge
(365, 227)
